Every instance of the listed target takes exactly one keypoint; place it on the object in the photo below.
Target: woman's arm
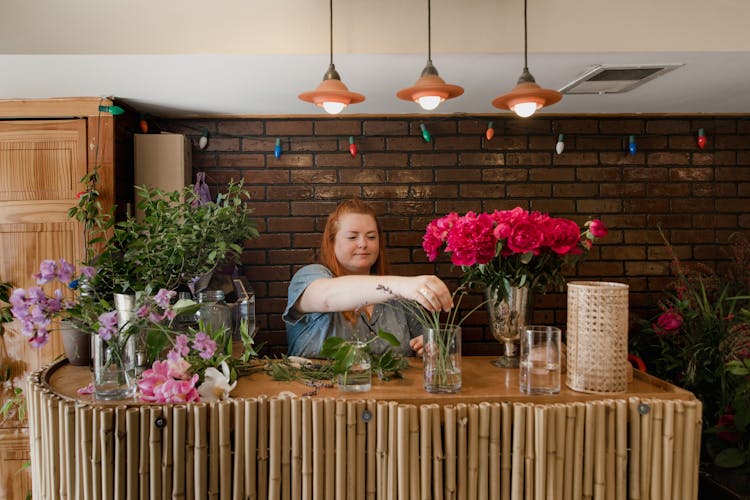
(347, 293)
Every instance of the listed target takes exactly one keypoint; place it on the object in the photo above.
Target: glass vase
(358, 378)
(114, 367)
(442, 360)
(508, 316)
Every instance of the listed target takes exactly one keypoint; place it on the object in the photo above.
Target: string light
(143, 124)
(112, 110)
(425, 133)
(701, 138)
(203, 141)
(560, 146)
(632, 148)
(277, 149)
(490, 131)
(352, 146)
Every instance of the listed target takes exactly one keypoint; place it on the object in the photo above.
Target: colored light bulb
(560, 146)
(632, 148)
(203, 141)
(490, 132)
(352, 146)
(277, 149)
(701, 138)
(425, 133)
(113, 110)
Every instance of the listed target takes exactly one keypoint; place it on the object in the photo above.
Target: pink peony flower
(471, 241)
(562, 236)
(157, 386)
(598, 229)
(526, 237)
(669, 321)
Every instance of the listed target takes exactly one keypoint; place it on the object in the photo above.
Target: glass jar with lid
(213, 312)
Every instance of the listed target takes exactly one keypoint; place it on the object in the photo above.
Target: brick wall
(698, 196)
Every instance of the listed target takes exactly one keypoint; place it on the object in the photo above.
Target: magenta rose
(669, 321)
(598, 229)
(526, 237)
(562, 236)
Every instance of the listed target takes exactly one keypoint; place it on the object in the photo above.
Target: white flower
(216, 384)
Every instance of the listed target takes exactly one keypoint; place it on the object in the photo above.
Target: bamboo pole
(609, 482)
(425, 451)
(85, 416)
(392, 483)
(540, 468)
(143, 455)
(96, 454)
(351, 450)
(506, 456)
(402, 450)
(238, 465)
(621, 452)
(462, 450)
(361, 450)
(340, 478)
(472, 473)
(530, 458)
(155, 452)
(560, 437)
(451, 415)
(224, 409)
(307, 450)
(190, 454)
(635, 450)
(201, 451)
(167, 460)
(53, 443)
(132, 433)
(570, 423)
(679, 451)
(382, 450)
(214, 460)
(329, 449)
(120, 454)
(296, 445)
(600, 455)
(262, 441)
(274, 445)
(179, 445)
(437, 453)
(371, 488)
(494, 451)
(697, 447)
(579, 442)
(646, 433)
(589, 439)
(668, 449)
(67, 465)
(107, 440)
(688, 472)
(286, 448)
(251, 448)
(657, 471)
(484, 451)
(519, 441)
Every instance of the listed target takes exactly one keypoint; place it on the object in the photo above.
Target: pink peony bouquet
(511, 247)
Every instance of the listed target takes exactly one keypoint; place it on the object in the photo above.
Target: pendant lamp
(527, 96)
(430, 90)
(332, 95)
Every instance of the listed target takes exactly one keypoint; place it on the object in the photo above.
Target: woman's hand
(430, 292)
(417, 345)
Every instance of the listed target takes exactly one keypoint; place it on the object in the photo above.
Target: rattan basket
(597, 337)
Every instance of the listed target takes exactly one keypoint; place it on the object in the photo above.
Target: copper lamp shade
(332, 94)
(527, 97)
(430, 85)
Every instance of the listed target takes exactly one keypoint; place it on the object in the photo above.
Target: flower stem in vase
(508, 315)
(442, 360)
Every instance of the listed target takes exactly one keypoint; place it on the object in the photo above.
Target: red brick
(369, 176)
(368, 144)
(405, 239)
(693, 236)
(201, 159)
(657, 126)
(337, 192)
(432, 192)
(743, 189)
(687, 142)
(546, 142)
(600, 206)
(388, 192)
(506, 143)
(337, 126)
(553, 207)
(555, 174)
(640, 235)
(457, 174)
(669, 220)
(601, 268)
(312, 146)
(481, 159)
(575, 190)
(576, 158)
(530, 190)
(337, 160)
(240, 127)
(290, 192)
(576, 126)
(289, 224)
(269, 240)
(410, 207)
(663, 158)
(290, 256)
(739, 205)
(518, 159)
(407, 175)
(312, 208)
(714, 126)
(273, 273)
(732, 142)
(720, 189)
(290, 160)
(474, 126)
(744, 221)
(652, 143)
(647, 205)
(386, 160)
(215, 177)
(256, 257)
(222, 144)
(626, 190)
(623, 221)
(602, 143)
(661, 252)
(447, 127)
(372, 127)
(668, 189)
(481, 191)
(456, 142)
(407, 144)
(622, 158)
(621, 126)
(599, 174)
(314, 176)
(305, 240)
(289, 127)
(732, 174)
(647, 268)
(503, 175)
(731, 158)
(434, 160)
(644, 174)
(242, 160)
(624, 253)
(715, 220)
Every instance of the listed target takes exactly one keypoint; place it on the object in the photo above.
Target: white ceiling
(249, 58)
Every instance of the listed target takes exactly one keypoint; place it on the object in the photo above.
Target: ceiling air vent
(615, 79)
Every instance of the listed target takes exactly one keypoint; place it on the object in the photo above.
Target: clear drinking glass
(442, 360)
(540, 360)
(358, 378)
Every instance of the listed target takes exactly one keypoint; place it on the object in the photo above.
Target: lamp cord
(330, 31)
(429, 31)
(525, 38)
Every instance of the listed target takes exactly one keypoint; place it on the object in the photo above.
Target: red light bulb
(701, 138)
(490, 132)
(352, 146)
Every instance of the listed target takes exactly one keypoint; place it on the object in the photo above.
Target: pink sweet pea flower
(163, 297)
(205, 346)
(108, 325)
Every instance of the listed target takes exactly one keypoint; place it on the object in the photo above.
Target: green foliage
(5, 315)
(342, 353)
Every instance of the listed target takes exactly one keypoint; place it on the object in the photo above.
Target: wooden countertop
(482, 381)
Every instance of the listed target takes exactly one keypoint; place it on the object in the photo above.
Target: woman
(344, 295)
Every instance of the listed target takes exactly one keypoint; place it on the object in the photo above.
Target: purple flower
(47, 272)
(65, 271)
(163, 297)
(181, 345)
(108, 325)
(205, 346)
(88, 271)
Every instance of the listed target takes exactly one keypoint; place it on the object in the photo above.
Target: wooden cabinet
(46, 146)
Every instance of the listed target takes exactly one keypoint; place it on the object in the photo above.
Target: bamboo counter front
(397, 441)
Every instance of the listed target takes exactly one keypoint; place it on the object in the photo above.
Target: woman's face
(356, 244)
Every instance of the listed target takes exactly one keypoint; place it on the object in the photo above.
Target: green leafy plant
(5, 314)
(342, 353)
